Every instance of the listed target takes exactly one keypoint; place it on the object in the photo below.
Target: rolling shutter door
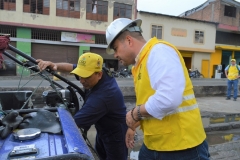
(55, 53)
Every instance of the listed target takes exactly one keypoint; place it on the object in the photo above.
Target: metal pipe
(22, 64)
(22, 54)
(48, 70)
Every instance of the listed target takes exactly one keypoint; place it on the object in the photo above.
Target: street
(14, 82)
(219, 116)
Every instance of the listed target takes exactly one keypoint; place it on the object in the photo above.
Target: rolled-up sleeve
(167, 79)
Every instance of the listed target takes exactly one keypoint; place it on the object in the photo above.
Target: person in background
(232, 74)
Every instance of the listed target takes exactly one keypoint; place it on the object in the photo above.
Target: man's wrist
(53, 65)
(134, 114)
(139, 113)
(134, 130)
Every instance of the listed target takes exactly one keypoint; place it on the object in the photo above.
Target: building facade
(61, 30)
(194, 39)
(227, 41)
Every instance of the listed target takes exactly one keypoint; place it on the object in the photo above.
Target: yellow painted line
(219, 120)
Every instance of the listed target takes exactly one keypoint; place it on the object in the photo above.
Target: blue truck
(46, 133)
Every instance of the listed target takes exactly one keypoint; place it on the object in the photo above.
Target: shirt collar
(137, 57)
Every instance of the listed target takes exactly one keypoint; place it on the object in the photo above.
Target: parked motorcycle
(124, 73)
(115, 74)
(195, 74)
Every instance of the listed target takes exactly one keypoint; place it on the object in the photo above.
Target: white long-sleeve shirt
(167, 79)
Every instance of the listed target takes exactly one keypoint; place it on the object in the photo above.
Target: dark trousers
(111, 149)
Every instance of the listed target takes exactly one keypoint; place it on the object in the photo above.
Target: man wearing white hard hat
(166, 108)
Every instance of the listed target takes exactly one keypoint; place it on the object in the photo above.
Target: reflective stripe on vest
(188, 97)
(178, 110)
(184, 109)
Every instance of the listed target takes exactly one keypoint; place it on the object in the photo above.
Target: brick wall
(196, 15)
(209, 13)
(233, 21)
(217, 9)
(214, 12)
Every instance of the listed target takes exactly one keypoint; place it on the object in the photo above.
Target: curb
(222, 126)
(220, 121)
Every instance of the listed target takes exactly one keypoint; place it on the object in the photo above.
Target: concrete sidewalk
(219, 114)
(219, 104)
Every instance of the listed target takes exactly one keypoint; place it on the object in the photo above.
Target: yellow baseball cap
(234, 60)
(88, 63)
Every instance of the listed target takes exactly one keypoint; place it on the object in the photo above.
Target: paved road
(14, 81)
(220, 148)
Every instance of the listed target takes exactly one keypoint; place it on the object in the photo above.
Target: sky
(169, 7)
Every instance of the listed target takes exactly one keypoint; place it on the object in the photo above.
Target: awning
(186, 54)
(232, 48)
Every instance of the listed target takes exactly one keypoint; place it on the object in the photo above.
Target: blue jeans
(233, 83)
(199, 152)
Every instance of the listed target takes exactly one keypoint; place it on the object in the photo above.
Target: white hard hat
(118, 26)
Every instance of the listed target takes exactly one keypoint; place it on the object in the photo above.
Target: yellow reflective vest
(233, 72)
(181, 130)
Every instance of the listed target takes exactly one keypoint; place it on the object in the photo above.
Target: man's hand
(129, 138)
(131, 123)
(44, 64)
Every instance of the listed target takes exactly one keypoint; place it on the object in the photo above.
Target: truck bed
(67, 145)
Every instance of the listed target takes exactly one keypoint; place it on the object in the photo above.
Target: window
(230, 11)
(199, 37)
(36, 6)
(8, 5)
(68, 8)
(97, 10)
(100, 39)
(157, 31)
(12, 30)
(45, 34)
(122, 11)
